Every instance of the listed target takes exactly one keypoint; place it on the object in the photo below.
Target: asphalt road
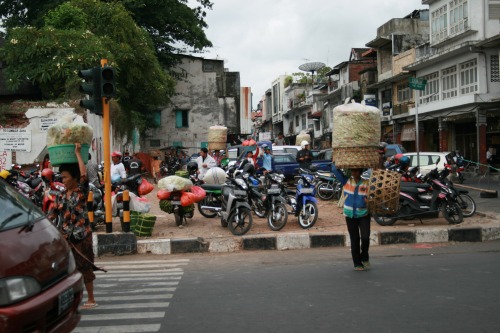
(411, 288)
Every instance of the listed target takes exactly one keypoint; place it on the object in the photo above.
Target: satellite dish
(311, 67)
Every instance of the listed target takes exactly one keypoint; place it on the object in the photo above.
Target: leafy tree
(306, 77)
(171, 24)
(71, 39)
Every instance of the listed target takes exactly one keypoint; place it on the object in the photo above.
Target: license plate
(175, 202)
(66, 298)
(273, 191)
(240, 192)
(306, 190)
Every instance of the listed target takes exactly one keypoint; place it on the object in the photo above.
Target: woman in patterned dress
(71, 217)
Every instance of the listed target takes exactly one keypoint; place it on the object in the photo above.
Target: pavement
(206, 235)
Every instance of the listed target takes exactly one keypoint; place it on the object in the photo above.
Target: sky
(263, 39)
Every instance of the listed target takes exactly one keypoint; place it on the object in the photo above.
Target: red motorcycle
(52, 189)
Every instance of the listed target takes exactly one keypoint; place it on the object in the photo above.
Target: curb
(126, 243)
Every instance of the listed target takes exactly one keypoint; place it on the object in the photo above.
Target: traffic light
(108, 89)
(91, 87)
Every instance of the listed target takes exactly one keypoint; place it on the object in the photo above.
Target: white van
(279, 150)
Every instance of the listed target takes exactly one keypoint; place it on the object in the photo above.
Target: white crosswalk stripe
(133, 296)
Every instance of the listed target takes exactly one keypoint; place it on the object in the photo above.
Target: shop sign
(15, 139)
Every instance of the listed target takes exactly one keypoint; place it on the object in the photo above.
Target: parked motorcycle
(467, 204)
(327, 186)
(305, 206)
(427, 198)
(274, 203)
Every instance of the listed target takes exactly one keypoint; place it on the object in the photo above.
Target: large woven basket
(145, 224)
(383, 192)
(356, 157)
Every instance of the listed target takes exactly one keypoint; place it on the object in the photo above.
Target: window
(317, 124)
(403, 92)
(431, 91)
(181, 119)
(154, 143)
(449, 82)
(297, 121)
(468, 77)
(459, 16)
(304, 121)
(494, 69)
(439, 24)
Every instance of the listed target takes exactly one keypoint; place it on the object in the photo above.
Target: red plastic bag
(163, 194)
(187, 198)
(145, 187)
(199, 193)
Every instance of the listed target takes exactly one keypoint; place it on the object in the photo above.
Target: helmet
(397, 157)
(303, 144)
(116, 153)
(249, 168)
(404, 161)
(192, 167)
(4, 174)
(48, 174)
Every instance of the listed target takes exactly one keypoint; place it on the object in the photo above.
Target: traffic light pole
(107, 160)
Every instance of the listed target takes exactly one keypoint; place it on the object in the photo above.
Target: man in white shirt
(205, 162)
(117, 168)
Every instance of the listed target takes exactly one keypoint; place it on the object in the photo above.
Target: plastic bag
(138, 204)
(174, 183)
(199, 193)
(163, 194)
(145, 187)
(65, 131)
(187, 198)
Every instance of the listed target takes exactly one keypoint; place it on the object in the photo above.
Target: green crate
(63, 154)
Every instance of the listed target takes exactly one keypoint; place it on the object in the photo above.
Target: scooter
(427, 198)
(327, 186)
(305, 207)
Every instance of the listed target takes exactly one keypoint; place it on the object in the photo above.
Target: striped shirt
(355, 195)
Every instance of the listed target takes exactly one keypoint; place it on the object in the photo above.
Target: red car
(40, 288)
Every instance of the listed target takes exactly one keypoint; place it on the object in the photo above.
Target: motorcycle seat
(208, 187)
(413, 187)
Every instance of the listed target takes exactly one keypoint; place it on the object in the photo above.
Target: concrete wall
(209, 93)
(401, 60)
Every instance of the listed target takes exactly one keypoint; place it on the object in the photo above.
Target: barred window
(449, 82)
(459, 16)
(403, 92)
(431, 92)
(468, 77)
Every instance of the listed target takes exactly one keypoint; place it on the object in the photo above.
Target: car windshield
(16, 209)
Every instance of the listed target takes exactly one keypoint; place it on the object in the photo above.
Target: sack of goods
(302, 136)
(174, 183)
(217, 138)
(215, 176)
(356, 135)
(61, 139)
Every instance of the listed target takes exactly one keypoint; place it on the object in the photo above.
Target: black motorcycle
(427, 198)
(274, 203)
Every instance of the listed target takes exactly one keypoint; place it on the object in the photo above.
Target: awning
(408, 132)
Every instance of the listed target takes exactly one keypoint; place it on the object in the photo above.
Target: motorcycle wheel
(467, 204)
(259, 208)
(453, 213)
(209, 200)
(240, 221)
(325, 190)
(384, 220)
(278, 217)
(178, 218)
(309, 218)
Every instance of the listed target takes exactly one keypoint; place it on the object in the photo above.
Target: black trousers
(359, 233)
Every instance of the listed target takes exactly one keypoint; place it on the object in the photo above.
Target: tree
(306, 77)
(76, 35)
(171, 24)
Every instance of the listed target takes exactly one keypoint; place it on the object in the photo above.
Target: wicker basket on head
(355, 157)
(383, 192)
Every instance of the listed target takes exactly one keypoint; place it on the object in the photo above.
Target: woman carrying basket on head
(356, 215)
(71, 217)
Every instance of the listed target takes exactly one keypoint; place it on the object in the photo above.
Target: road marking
(132, 291)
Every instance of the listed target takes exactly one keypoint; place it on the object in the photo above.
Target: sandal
(87, 306)
(359, 268)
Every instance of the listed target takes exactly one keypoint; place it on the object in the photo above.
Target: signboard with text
(417, 83)
(5, 160)
(15, 139)
(46, 122)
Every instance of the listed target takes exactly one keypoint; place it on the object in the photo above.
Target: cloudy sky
(263, 39)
